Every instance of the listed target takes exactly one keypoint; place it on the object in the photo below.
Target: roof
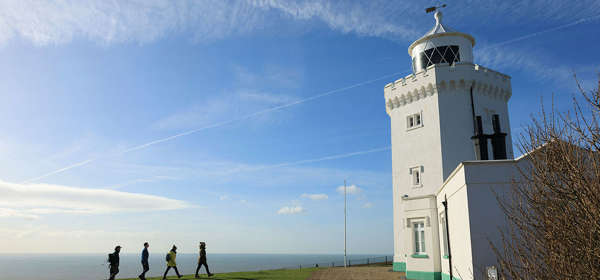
(439, 26)
(440, 30)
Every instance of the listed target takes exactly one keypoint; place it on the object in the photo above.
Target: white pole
(345, 223)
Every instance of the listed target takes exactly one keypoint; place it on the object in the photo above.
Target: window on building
(417, 176)
(419, 232)
(437, 55)
(445, 234)
(414, 121)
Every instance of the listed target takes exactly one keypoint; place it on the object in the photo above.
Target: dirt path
(358, 273)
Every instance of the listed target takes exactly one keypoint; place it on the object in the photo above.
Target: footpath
(357, 273)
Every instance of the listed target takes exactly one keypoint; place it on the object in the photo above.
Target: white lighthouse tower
(449, 110)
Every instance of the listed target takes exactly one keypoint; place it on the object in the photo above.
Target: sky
(236, 122)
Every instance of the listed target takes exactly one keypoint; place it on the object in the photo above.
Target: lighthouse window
(417, 179)
(419, 232)
(414, 121)
(437, 55)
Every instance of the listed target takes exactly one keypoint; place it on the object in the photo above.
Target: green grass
(280, 274)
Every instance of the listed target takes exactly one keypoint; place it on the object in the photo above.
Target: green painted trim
(447, 277)
(423, 275)
(445, 257)
(420, 256)
(399, 266)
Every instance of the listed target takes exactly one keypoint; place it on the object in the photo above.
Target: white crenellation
(486, 82)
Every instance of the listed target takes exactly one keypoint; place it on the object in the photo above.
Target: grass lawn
(280, 274)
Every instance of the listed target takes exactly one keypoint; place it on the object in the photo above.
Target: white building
(450, 140)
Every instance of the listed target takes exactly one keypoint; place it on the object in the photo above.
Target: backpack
(111, 259)
(168, 257)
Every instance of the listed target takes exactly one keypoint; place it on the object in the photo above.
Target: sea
(94, 266)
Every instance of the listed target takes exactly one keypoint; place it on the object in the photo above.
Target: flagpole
(345, 262)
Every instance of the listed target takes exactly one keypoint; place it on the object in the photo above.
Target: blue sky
(235, 122)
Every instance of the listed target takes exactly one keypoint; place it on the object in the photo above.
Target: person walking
(171, 262)
(145, 265)
(113, 260)
(202, 260)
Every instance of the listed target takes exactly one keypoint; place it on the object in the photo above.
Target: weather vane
(434, 8)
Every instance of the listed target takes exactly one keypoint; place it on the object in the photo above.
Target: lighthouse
(449, 111)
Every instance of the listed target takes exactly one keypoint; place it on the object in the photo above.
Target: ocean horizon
(93, 266)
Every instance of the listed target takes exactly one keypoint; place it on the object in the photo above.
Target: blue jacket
(145, 255)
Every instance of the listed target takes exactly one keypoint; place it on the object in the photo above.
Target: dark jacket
(113, 259)
(202, 256)
(145, 255)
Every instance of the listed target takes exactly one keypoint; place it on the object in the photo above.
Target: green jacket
(172, 262)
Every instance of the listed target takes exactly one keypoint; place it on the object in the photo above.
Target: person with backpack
(202, 260)
(171, 262)
(145, 265)
(113, 260)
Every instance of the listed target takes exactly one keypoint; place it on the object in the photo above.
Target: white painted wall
(412, 148)
(459, 225)
(491, 91)
(442, 94)
(484, 181)
(421, 209)
(475, 214)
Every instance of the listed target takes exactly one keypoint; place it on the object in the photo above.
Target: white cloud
(142, 21)
(151, 179)
(33, 200)
(519, 12)
(244, 202)
(264, 97)
(367, 205)
(222, 108)
(290, 210)
(224, 197)
(352, 189)
(12, 213)
(198, 115)
(269, 74)
(500, 58)
(372, 18)
(316, 196)
(108, 22)
(534, 62)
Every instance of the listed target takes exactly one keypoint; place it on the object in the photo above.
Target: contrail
(276, 108)
(338, 156)
(528, 36)
(215, 125)
(332, 157)
(81, 163)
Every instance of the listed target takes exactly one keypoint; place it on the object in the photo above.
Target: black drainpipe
(445, 202)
